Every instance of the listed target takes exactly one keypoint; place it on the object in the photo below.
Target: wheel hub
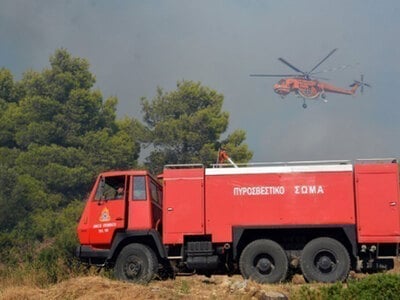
(133, 269)
(325, 263)
(264, 265)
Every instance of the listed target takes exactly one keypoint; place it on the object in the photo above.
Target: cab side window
(154, 193)
(111, 188)
(139, 188)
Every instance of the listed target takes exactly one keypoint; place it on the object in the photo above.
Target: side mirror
(100, 191)
(102, 182)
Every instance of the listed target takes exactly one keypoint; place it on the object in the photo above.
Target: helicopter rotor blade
(326, 57)
(287, 75)
(318, 77)
(291, 66)
(334, 69)
(362, 83)
(274, 75)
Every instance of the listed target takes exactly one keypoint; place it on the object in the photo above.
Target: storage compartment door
(377, 205)
(183, 205)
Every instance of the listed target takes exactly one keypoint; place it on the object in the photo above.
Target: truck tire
(136, 263)
(325, 260)
(264, 261)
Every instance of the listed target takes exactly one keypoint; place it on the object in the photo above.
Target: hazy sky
(135, 46)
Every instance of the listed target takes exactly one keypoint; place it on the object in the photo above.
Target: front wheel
(136, 263)
(325, 260)
(264, 261)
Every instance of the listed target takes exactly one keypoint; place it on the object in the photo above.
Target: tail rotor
(360, 83)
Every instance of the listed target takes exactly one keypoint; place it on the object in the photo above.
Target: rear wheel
(264, 261)
(325, 260)
(136, 263)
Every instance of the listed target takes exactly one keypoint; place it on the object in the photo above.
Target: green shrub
(42, 248)
(377, 286)
(374, 287)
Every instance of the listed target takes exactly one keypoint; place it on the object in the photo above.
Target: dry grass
(194, 287)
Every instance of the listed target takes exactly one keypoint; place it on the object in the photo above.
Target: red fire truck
(265, 221)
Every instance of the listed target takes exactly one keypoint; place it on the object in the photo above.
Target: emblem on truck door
(105, 215)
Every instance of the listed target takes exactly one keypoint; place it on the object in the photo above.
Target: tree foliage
(186, 126)
(57, 132)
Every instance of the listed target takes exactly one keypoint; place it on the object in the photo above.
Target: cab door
(107, 210)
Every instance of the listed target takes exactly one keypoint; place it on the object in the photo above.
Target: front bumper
(92, 256)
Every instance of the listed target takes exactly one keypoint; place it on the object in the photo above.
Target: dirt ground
(183, 287)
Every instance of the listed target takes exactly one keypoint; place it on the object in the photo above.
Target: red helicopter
(307, 86)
